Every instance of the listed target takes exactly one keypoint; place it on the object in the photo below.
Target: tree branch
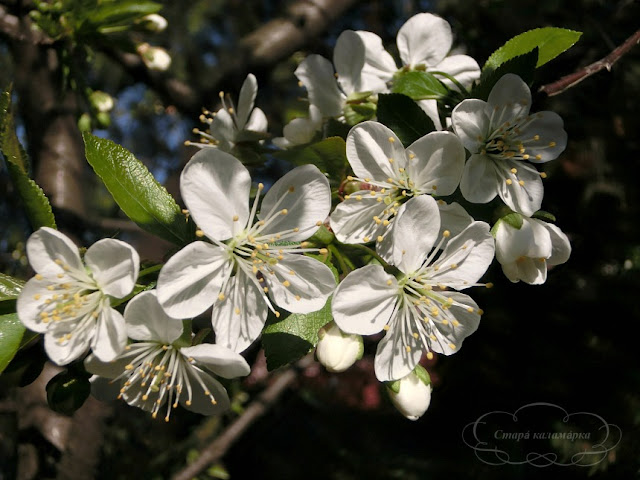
(607, 62)
(216, 449)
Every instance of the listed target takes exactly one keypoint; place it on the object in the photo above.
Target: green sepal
(323, 236)
(422, 374)
(544, 216)
(357, 97)
(514, 219)
(184, 340)
(393, 386)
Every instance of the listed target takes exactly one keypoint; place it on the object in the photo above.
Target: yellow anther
(292, 189)
(521, 183)
(543, 175)
(401, 170)
(391, 139)
(50, 288)
(380, 238)
(445, 322)
(372, 193)
(366, 239)
(415, 335)
(237, 311)
(323, 251)
(452, 346)
(39, 277)
(536, 137)
(552, 144)
(57, 261)
(389, 282)
(433, 337)
(508, 181)
(480, 311)
(265, 289)
(412, 156)
(298, 297)
(470, 309)
(221, 296)
(446, 234)
(435, 312)
(236, 218)
(377, 220)
(390, 160)
(525, 156)
(37, 297)
(284, 211)
(199, 233)
(407, 348)
(277, 314)
(514, 170)
(386, 328)
(286, 283)
(429, 355)
(358, 197)
(367, 179)
(489, 285)
(538, 157)
(128, 367)
(385, 222)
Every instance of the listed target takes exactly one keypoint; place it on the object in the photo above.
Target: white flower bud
(411, 395)
(153, 22)
(101, 101)
(337, 350)
(155, 58)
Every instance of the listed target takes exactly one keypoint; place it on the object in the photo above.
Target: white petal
(471, 123)
(200, 402)
(299, 130)
(424, 38)
(110, 336)
(224, 130)
(257, 121)
(430, 107)
(561, 247)
(67, 352)
(364, 301)
(305, 194)
(438, 163)
(471, 252)
(511, 96)
(111, 369)
(378, 61)
(47, 245)
(104, 389)
(246, 99)
(316, 74)
(29, 308)
(215, 187)
(191, 279)
(392, 360)
(238, 319)
(114, 266)
(530, 240)
(370, 145)
(352, 220)
(415, 232)
(453, 217)
(308, 287)
(220, 360)
(552, 138)
(464, 68)
(530, 270)
(146, 320)
(450, 334)
(526, 198)
(348, 59)
(479, 182)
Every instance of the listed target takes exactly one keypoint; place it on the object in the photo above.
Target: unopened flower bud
(153, 22)
(411, 395)
(101, 101)
(155, 58)
(337, 350)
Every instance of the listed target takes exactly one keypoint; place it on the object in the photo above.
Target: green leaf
(120, 12)
(402, 115)
(11, 332)
(290, 339)
(67, 392)
(419, 86)
(329, 156)
(524, 66)
(136, 191)
(550, 41)
(544, 216)
(9, 287)
(36, 204)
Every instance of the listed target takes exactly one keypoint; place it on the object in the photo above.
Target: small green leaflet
(136, 191)
(550, 41)
(419, 86)
(11, 332)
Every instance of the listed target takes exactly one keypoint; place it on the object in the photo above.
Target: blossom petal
(479, 182)
(378, 62)
(146, 320)
(47, 245)
(223, 129)
(544, 137)
(352, 220)
(560, 245)
(464, 68)
(246, 100)
(510, 98)
(466, 257)
(70, 350)
(220, 360)
(110, 335)
(415, 232)
(238, 319)
(471, 124)
(524, 192)
(450, 335)
(430, 107)
(191, 279)
(348, 59)
(364, 300)
(530, 270)
(215, 187)
(300, 284)
(202, 385)
(305, 195)
(521, 252)
(453, 217)
(257, 121)
(29, 308)
(424, 38)
(393, 361)
(316, 74)
(110, 370)
(370, 145)
(114, 266)
(438, 163)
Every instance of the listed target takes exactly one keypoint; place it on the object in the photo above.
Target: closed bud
(411, 395)
(155, 58)
(153, 22)
(337, 350)
(101, 101)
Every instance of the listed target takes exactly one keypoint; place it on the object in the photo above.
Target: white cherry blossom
(503, 137)
(431, 165)
(247, 263)
(337, 350)
(411, 395)
(161, 368)
(230, 125)
(418, 311)
(70, 301)
(527, 252)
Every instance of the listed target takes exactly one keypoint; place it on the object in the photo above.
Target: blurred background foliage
(569, 342)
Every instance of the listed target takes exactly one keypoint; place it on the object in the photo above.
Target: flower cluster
(401, 240)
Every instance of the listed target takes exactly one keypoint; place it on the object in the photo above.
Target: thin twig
(216, 449)
(607, 62)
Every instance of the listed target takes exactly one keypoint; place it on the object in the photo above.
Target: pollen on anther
(366, 239)
(452, 346)
(429, 355)
(199, 233)
(380, 238)
(415, 335)
(39, 277)
(237, 311)
(391, 139)
(514, 170)
(386, 328)
(446, 234)
(508, 181)
(489, 285)
(284, 211)
(292, 189)
(538, 157)
(221, 297)
(236, 218)
(389, 282)
(407, 348)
